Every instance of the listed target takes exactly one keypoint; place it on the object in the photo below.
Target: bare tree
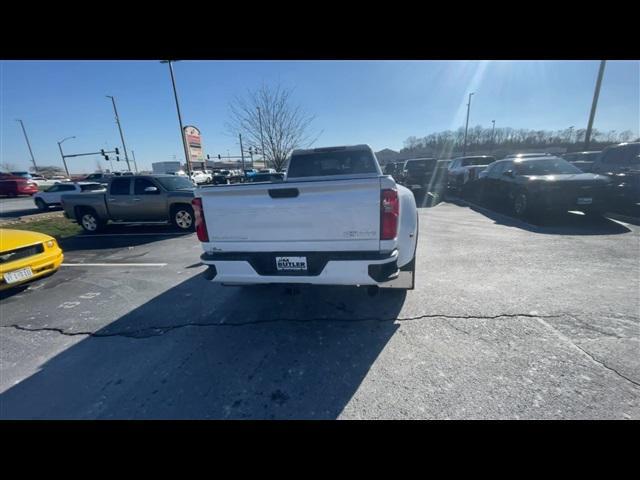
(268, 115)
(7, 167)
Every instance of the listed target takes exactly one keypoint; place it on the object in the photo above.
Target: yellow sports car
(25, 256)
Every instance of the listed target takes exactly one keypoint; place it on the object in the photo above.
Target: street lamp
(35, 167)
(464, 148)
(175, 94)
(594, 104)
(62, 155)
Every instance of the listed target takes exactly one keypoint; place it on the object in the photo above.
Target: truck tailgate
(325, 215)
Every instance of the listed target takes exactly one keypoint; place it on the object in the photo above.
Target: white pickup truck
(336, 219)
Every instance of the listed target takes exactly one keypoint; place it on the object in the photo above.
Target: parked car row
(536, 183)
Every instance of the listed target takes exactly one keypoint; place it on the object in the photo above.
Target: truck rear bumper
(324, 268)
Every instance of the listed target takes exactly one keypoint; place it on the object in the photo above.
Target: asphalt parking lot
(508, 320)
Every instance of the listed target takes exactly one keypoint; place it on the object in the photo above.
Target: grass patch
(58, 227)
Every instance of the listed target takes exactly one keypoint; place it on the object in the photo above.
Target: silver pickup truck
(134, 199)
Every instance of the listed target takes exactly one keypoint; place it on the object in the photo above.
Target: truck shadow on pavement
(556, 224)
(204, 351)
(120, 236)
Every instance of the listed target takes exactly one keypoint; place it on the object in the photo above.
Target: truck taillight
(201, 225)
(389, 213)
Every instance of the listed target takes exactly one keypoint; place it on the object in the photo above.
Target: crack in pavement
(156, 331)
(566, 339)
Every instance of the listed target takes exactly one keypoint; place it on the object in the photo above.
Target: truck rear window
(421, 164)
(319, 164)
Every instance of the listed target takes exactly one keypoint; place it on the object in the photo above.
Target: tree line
(483, 139)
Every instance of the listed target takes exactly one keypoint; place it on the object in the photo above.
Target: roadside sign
(194, 142)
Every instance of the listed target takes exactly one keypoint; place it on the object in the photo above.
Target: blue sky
(376, 102)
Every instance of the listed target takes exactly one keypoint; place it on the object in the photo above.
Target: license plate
(18, 275)
(585, 200)
(291, 264)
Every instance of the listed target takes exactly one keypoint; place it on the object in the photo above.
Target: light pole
(126, 157)
(594, 104)
(64, 162)
(464, 148)
(135, 164)
(175, 94)
(571, 133)
(264, 161)
(493, 129)
(241, 151)
(35, 167)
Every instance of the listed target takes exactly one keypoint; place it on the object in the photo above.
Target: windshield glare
(555, 166)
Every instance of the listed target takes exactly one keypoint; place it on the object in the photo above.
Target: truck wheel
(90, 222)
(183, 218)
(43, 207)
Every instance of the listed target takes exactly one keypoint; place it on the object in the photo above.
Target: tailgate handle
(283, 192)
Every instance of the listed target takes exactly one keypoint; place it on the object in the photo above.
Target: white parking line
(114, 264)
(618, 221)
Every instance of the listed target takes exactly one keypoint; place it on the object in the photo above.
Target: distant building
(387, 155)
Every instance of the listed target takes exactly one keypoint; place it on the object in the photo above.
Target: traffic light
(117, 157)
(219, 157)
(208, 157)
(117, 152)
(102, 152)
(106, 157)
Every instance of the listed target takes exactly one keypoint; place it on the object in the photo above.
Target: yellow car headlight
(50, 243)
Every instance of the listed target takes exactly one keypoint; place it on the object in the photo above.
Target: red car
(13, 185)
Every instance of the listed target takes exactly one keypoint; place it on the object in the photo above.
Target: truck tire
(89, 220)
(183, 218)
(42, 206)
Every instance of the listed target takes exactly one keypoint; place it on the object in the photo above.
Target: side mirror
(508, 173)
(150, 189)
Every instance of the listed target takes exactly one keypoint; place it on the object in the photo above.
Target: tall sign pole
(35, 167)
(594, 104)
(124, 147)
(184, 140)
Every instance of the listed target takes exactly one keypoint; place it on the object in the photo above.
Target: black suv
(418, 173)
(621, 163)
(583, 160)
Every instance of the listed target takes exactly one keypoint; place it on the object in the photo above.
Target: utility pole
(124, 147)
(493, 129)
(64, 162)
(466, 128)
(264, 161)
(175, 94)
(35, 167)
(241, 151)
(594, 104)
(135, 165)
